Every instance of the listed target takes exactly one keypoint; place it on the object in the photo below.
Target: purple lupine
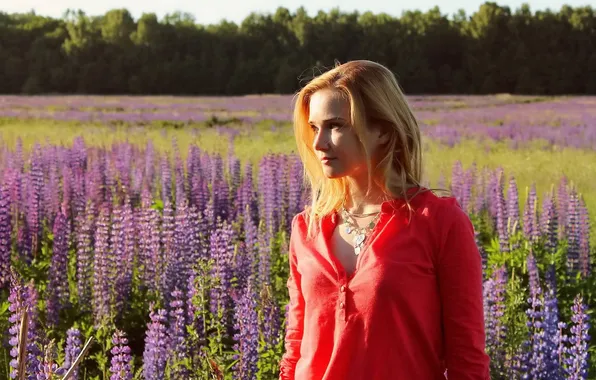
(247, 196)
(58, 292)
(156, 343)
(245, 266)
(270, 202)
(457, 178)
(295, 188)
(34, 210)
(72, 351)
(494, 187)
(116, 259)
(577, 354)
(494, 309)
(235, 174)
(178, 263)
(5, 237)
(51, 197)
(179, 177)
(549, 223)
(150, 248)
(121, 364)
(555, 339)
(84, 240)
(530, 224)
(282, 192)
(247, 337)
(572, 232)
(23, 299)
(562, 205)
(534, 278)
(466, 189)
(149, 173)
(501, 216)
(125, 257)
(271, 319)
(222, 252)
(264, 250)
(102, 266)
(177, 347)
(584, 239)
(512, 207)
(536, 346)
(48, 368)
(481, 202)
(166, 180)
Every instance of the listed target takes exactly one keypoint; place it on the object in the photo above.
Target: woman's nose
(321, 141)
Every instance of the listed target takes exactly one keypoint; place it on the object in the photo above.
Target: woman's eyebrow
(328, 120)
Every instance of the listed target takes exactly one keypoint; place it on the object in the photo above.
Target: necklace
(361, 232)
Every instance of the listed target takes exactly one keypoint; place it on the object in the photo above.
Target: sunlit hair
(375, 98)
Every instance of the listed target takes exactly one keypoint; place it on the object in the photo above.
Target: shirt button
(341, 305)
(343, 288)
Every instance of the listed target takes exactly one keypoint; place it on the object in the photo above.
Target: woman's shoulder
(440, 208)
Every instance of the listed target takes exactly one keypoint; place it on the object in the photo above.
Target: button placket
(342, 301)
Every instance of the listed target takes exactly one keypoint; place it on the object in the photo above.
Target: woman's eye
(314, 129)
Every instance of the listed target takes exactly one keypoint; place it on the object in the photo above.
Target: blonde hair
(375, 97)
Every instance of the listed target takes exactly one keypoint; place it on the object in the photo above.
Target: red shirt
(412, 309)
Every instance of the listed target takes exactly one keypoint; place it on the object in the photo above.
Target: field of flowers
(159, 227)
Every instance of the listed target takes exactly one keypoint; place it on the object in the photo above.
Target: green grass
(534, 164)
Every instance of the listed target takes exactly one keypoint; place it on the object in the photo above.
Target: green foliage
(270, 53)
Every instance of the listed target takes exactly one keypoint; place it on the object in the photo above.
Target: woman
(385, 276)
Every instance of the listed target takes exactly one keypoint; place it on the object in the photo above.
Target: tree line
(493, 50)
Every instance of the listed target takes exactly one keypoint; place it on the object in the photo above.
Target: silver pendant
(359, 239)
(357, 250)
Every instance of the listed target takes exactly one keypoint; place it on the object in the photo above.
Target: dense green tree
(495, 49)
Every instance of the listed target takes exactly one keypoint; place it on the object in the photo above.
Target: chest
(342, 247)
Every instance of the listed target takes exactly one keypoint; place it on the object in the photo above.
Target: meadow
(159, 226)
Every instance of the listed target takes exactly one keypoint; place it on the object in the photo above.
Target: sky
(213, 11)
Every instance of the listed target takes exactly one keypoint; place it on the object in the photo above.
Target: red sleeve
(460, 287)
(295, 320)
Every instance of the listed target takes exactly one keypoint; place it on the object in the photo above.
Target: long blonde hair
(375, 97)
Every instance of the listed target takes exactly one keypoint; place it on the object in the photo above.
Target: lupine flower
(536, 347)
(512, 207)
(572, 232)
(84, 243)
(177, 348)
(264, 249)
(554, 338)
(102, 267)
(35, 188)
(501, 216)
(530, 223)
(156, 343)
(246, 323)
(166, 180)
(72, 351)
(121, 368)
(562, 205)
(23, 299)
(457, 179)
(125, 261)
(5, 237)
(58, 293)
(584, 239)
(577, 354)
(48, 368)
(549, 223)
(494, 309)
(222, 252)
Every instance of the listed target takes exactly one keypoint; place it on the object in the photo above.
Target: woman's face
(335, 142)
